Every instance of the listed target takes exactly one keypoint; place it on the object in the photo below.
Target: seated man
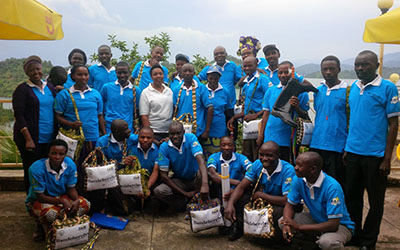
(184, 155)
(327, 218)
(275, 184)
(52, 189)
(238, 165)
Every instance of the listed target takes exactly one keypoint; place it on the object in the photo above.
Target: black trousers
(333, 164)
(362, 172)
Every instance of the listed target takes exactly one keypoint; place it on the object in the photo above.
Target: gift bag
(70, 232)
(204, 214)
(133, 179)
(251, 128)
(99, 174)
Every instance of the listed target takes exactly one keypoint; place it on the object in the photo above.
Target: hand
(173, 75)
(261, 71)
(205, 135)
(227, 195)
(128, 160)
(75, 124)
(74, 207)
(384, 168)
(257, 195)
(229, 125)
(190, 194)
(287, 233)
(294, 101)
(250, 117)
(292, 224)
(67, 205)
(205, 191)
(30, 145)
(59, 88)
(344, 158)
(260, 141)
(230, 213)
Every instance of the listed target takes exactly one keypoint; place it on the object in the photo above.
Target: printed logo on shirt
(195, 144)
(394, 100)
(335, 201)
(288, 180)
(76, 174)
(160, 157)
(246, 162)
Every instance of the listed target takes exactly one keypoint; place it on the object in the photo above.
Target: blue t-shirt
(276, 130)
(255, 103)
(278, 183)
(45, 180)
(238, 164)
(370, 110)
(330, 129)
(185, 104)
(181, 160)
(111, 148)
(68, 84)
(177, 82)
(89, 104)
(46, 114)
(220, 101)
(227, 80)
(118, 103)
(99, 75)
(273, 76)
(145, 80)
(325, 200)
(146, 159)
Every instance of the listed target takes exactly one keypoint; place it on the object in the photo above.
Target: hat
(182, 57)
(214, 69)
(30, 60)
(270, 47)
(250, 43)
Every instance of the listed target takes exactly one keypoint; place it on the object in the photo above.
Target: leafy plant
(9, 151)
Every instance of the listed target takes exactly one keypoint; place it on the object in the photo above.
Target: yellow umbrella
(29, 20)
(383, 29)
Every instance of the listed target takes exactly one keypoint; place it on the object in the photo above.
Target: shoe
(38, 232)
(237, 231)
(367, 248)
(224, 230)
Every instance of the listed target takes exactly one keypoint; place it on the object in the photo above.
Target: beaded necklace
(186, 117)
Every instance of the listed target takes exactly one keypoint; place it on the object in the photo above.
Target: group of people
(182, 127)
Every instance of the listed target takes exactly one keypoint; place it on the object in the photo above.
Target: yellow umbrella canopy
(29, 20)
(383, 29)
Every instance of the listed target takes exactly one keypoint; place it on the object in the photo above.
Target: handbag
(304, 132)
(204, 214)
(257, 217)
(99, 175)
(67, 232)
(133, 179)
(73, 137)
(251, 128)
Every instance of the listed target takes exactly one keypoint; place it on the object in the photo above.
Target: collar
(179, 149)
(108, 70)
(233, 158)
(69, 71)
(51, 171)
(32, 85)
(213, 91)
(151, 88)
(81, 93)
(278, 169)
(271, 74)
(223, 66)
(376, 82)
(146, 153)
(121, 89)
(113, 140)
(190, 88)
(341, 85)
(180, 79)
(317, 183)
(255, 75)
(147, 63)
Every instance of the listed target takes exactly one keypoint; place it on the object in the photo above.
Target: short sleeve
(36, 178)
(254, 171)
(245, 162)
(162, 159)
(103, 93)
(211, 162)
(165, 74)
(335, 202)
(304, 101)
(72, 173)
(138, 94)
(135, 71)
(204, 96)
(203, 73)
(392, 102)
(91, 76)
(289, 174)
(60, 102)
(238, 72)
(99, 104)
(195, 146)
(266, 82)
(175, 94)
(294, 196)
(265, 103)
(299, 78)
(144, 104)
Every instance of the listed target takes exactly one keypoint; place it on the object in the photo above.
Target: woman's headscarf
(250, 43)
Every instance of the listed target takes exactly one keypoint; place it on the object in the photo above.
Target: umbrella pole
(381, 47)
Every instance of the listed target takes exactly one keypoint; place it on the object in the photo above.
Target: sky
(305, 31)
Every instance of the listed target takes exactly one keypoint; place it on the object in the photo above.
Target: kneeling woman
(52, 188)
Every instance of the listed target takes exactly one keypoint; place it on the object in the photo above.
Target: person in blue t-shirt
(57, 76)
(255, 86)
(75, 57)
(141, 73)
(121, 99)
(274, 177)
(327, 220)
(219, 97)
(272, 55)
(191, 101)
(102, 72)
(52, 191)
(374, 110)
(273, 128)
(238, 165)
(330, 130)
(184, 156)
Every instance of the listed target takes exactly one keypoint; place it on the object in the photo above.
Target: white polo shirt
(158, 106)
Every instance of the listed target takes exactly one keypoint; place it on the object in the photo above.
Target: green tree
(163, 40)
(199, 63)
